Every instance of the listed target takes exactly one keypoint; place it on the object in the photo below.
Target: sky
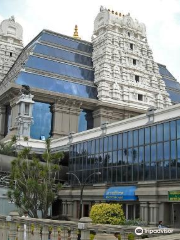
(161, 17)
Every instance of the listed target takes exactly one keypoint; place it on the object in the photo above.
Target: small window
(140, 97)
(129, 34)
(137, 78)
(26, 109)
(10, 54)
(134, 61)
(131, 46)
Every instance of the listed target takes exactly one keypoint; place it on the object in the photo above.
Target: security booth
(124, 195)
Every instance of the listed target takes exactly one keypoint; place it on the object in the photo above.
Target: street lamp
(82, 185)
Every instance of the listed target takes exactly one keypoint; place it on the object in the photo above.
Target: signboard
(174, 195)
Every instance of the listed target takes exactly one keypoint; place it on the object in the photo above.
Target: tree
(33, 185)
(105, 213)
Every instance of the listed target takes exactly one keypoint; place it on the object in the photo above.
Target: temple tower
(10, 44)
(125, 71)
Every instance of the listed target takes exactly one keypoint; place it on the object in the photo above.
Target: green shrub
(105, 213)
(131, 236)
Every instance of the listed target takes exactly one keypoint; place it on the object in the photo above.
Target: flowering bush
(105, 213)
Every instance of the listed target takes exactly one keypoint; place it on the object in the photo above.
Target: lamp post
(82, 185)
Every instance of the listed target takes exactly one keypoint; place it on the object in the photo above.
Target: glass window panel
(114, 172)
(124, 173)
(125, 154)
(105, 175)
(109, 175)
(125, 140)
(178, 169)
(147, 171)
(110, 143)
(159, 132)
(101, 160)
(106, 159)
(97, 145)
(135, 172)
(119, 174)
(59, 68)
(56, 85)
(75, 44)
(171, 84)
(153, 134)
(147, 153)
(101, 145)
(173, 129)
(178, 128)
(153, 171)
(85, 148)
(96, 161)
(119, 157)
(153, 153)
(120, 141)
(141, 172)
(173, 169)
(135, 138)
(129, 176)
(63, 54)
(89, 162)
(173, 149)
(93, 146)
(115, 158)
(166, 151)
(147, 135)
(115, 142)
(159, 151)
(166, 170)
(130, 139)
(130, 155)
(178, 148)
(89, 147)
(110, 159)
(166, 131)
(174, 96)
(42, 117)
(163, 71)
(141, 155)
(141, 136)
(85, 121)
(160, 170)
(105, 144)
(135, 155)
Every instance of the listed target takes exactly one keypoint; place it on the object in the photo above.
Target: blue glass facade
(149, 153)
(85, 120)
(63, 41)
(63, 54)
(59, 68)
(172, 86)
(56, 85)
(42, 117)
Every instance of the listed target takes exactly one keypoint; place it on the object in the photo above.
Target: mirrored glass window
(42, 118)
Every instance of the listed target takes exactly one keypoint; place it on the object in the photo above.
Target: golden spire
(76, 35)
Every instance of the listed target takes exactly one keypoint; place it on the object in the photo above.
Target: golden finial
(112, 11)
(109, 10)
(116, 13)
(76, 35)
(120, 14)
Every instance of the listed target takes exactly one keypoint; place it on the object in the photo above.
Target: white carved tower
(10, 44)
(125, 71)
(24, 119)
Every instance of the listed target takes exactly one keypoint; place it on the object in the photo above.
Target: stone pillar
(64, 208)
(14, 114)
(153, 213)
(13, 226)
(102, 115)
(84, 225)
(144, 212)
(104, 236)
(65, 118)
(2, 121)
